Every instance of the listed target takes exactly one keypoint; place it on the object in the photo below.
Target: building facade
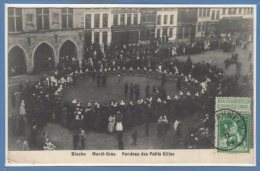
(41, 35)
(210, 18)
(166, 24)
(186, 24)
(125, 27)
(97, 25)
(148, 24)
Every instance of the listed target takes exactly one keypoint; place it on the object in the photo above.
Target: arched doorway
(16, 61)
(69, 49)
(43, 58)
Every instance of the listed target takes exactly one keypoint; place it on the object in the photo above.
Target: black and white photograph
(124, 77)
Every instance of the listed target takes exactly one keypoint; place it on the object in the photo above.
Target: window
(224, 11)
(199, 27)
(234, 11)
(240, 10)
(105, 20)
(171, 19)
(148, 18)
(129, 19)
(29, 19)
(203, 27)
(143, 18)
(206, 26)
(148, 34)
(158, 33)
(104, 37)
(142, 35)
(218, 15)
(213, 15)
(204, 12)
(96, 37)
(15, 19)
(229, 10)
(208, 12)
(55, 18)
(165, 18)
(96, 20)
(87, 21)
(200, 12)
(153, 17)
(170, 32)
(122, 19)
(67, 18)
(164, 33)
(186, 32)
(11, 19)
(159, 20)
(115, 21)
(42, 18)
(179, 32)
(135, 19)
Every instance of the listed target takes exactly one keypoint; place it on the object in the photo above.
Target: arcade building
(39, 37)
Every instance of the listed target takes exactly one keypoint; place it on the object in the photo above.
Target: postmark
(232, 128)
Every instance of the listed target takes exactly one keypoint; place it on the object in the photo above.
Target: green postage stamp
(232, 124)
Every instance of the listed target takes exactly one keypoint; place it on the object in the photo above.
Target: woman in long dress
(164, 126)
(159, 132)
(22, 118)
(119, 119)
(119, 130)
(22, 109)
(111, 123)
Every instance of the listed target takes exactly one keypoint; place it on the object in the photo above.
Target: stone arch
(17, 60)
(43, 57)
(68, 48)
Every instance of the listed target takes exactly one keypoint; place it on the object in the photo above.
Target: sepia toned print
(115, 80)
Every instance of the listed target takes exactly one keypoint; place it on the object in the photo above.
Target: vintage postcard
(140, 85)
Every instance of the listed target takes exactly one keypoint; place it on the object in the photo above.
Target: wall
(30, 42)
(167, 26)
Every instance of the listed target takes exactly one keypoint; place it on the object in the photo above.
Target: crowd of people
(196, 83)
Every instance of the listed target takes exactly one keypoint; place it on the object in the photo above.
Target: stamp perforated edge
(248, 136)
